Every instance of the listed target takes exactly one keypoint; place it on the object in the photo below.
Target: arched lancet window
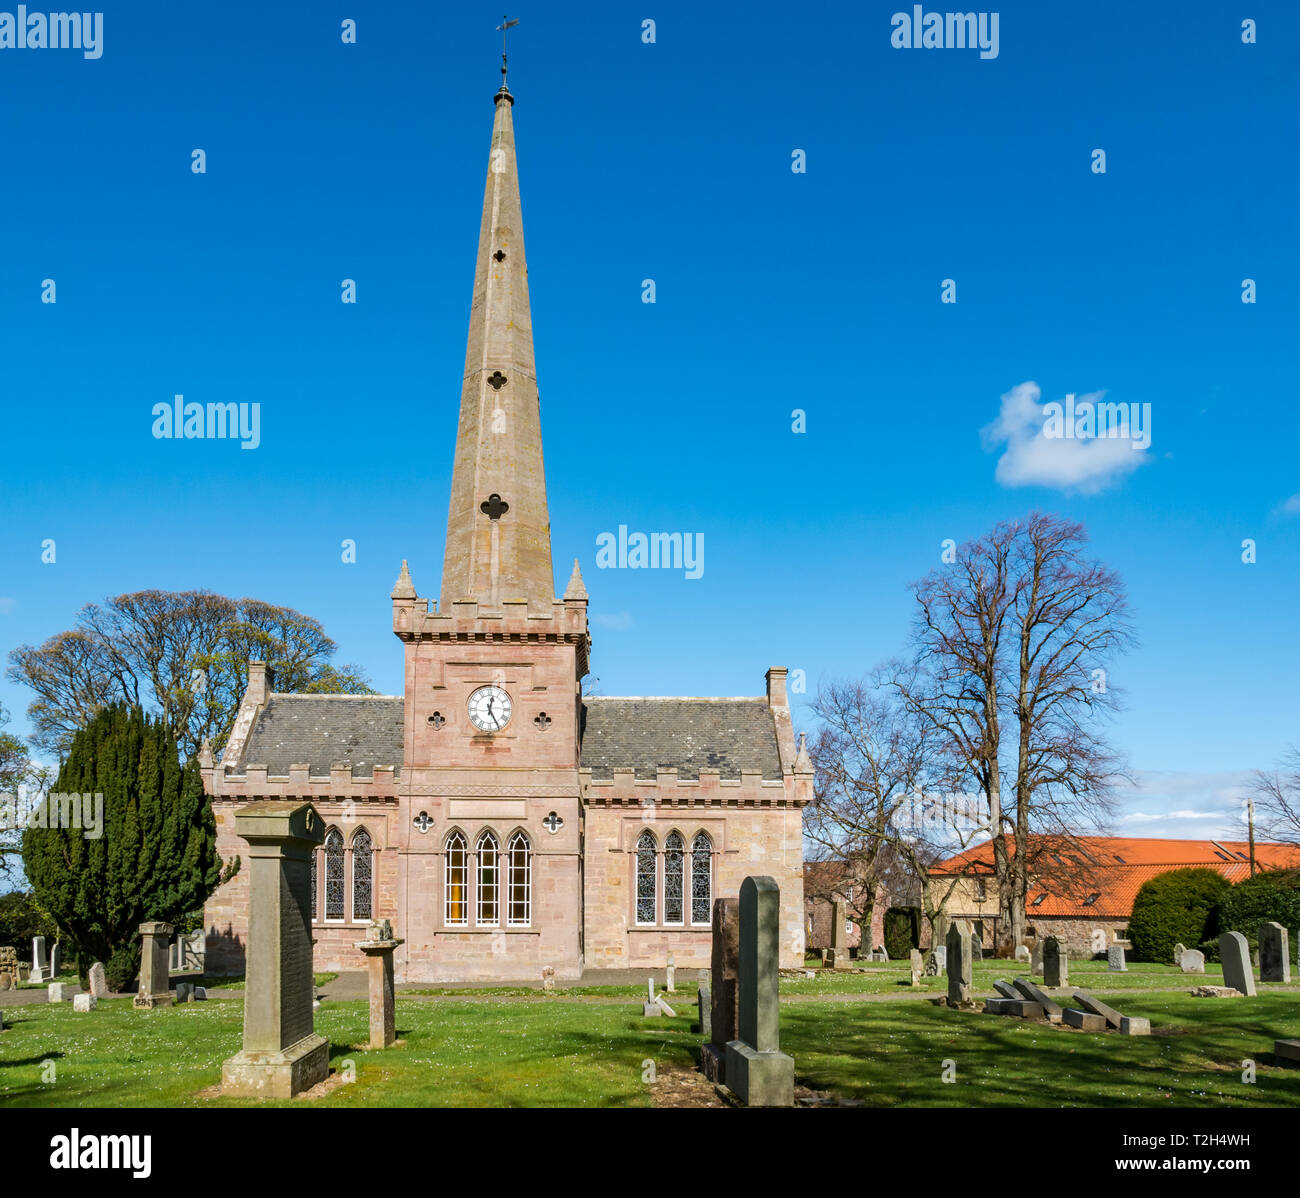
(646, 879)
(489, 881)
(457, 906)
(674, 868)
(315, 883)
(519, 882)
(334, 890)
(701, 879)
(363, 875)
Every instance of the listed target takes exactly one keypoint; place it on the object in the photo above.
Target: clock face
(490, 709)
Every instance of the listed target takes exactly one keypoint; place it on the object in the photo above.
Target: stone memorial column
(282, 1054)
(839, 954)
(724, 988)
(959, 964)
(758, 1072)
(1274, 954)
(378, 950)
(155, 988)
(1056, 964)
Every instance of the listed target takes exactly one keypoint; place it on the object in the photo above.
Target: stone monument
(1274, 954)
(98, 980)
(758, 1072)
(704, 1004)
(959, 964)
(1116, 962)
(839, 954)
(724, 987)
(40, 962)
(378, 949)
(56, 960)
(155, 983)
(1056, 964)
(282, 1054)
(1192, 961)
(1235, 954)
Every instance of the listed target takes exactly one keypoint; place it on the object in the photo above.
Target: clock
(490, 709)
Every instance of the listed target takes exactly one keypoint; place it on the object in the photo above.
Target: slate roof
(645, 734)
(362, 730)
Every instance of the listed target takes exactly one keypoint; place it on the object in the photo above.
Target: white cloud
(1184, 805)
(1069, 462)
(1292, 505)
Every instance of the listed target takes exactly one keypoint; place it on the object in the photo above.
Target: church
(503, 822)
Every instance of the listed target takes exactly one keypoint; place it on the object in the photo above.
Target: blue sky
(775, 290)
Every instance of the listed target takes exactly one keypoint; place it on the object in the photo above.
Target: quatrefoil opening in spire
(494, 507)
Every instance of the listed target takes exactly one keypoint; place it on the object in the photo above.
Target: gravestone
(664, 1007)
(724, 988)
(1179, 950)
(155, 984)
(1274, 957)
(378, 949)
(839, 954)
(84, 1002)
(1235, 954)
(670, 983)
(1022, 954)
(1192, 961)
(548, 977)
(1134, 1026)
(6, 980)
(937, 962)
(1036, 958)
(918, 966)
(651, 1005)
(40, 961)
(976, 948)
(56, 959)
(61, 991)
(1084, 1020)
(758, 1072)
(1097, 1007)
(184, 991)
(1050, 1008)
(282, 1054)
(704, 1007)
(1056, 963)
(1115, 960)
(98, 980)
(959, 964)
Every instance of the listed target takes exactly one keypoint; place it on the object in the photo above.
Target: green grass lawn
(568, 1052)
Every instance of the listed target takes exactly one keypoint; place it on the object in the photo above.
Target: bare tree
(183, 654)
(1277, 800)
(1018, 633)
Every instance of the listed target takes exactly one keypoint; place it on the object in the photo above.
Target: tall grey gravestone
(154, 989)
(1115, 959)
(1036, 958)
(282, 1054)
(758, 1072)
(98, 980)
(56, 961)
(724, 976)
(1274, 954)
(1235, 954)
(1056, 965)
(839, 954)
(40, 962)
(959, 963)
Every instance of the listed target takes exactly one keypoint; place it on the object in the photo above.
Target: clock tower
(490, 820)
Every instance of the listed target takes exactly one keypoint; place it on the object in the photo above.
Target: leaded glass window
(646, 877)
(457, 906)
(519, 882)
(674, 867)
(315, 870)
(362, 875)
(334, 889)
(489, 881)
(701, 879)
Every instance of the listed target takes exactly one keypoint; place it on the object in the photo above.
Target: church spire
(498, 529)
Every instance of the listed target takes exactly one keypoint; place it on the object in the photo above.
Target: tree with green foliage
(22, 919)
(1180, 906)
(1271, 896)
(152, 853)
(902, 931)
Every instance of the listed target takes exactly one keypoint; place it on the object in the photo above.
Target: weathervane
(504, 27)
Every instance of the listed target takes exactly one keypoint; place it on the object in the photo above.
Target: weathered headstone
(1234, 951)
(282, 1054)
(724, 989)
(6, 980)
(184, 991)
(976, 948)
(98, 980)
(1036, 958)
(651, 1005)
(937, 962)
(154, 989)
(664, 1007)
(1274, 954)
(670, 983)
(1192, 961)
(839, 954)
(548, 977)
(704, 1007)
(1134, 1026)
(1097, 1007)
(378, 949)
(40, 961)
(1056, 963)
(959, 964)
(1085, 1020)
(918, 966)
(758, 1072)
(61, 991)
(1050, 1008)
(1007, 990)
(1022, 954)
(200, 994)
(1179, 949)
(84, 1002)
(1115, 960)
(56, 959)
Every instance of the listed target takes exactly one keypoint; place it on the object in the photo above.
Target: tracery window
(646, 878)
(457, 880)
(362, 875)
(519, 881)
(334, 889)
(701, 879)
(489, 881)
(315, 883)
(674, 869)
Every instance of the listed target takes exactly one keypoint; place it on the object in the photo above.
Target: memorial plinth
(282, 1054)
(378, 951)
(154, 989)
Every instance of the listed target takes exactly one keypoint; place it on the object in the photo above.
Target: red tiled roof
(1118, 866)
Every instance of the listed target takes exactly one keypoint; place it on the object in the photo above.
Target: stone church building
(501, 820)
